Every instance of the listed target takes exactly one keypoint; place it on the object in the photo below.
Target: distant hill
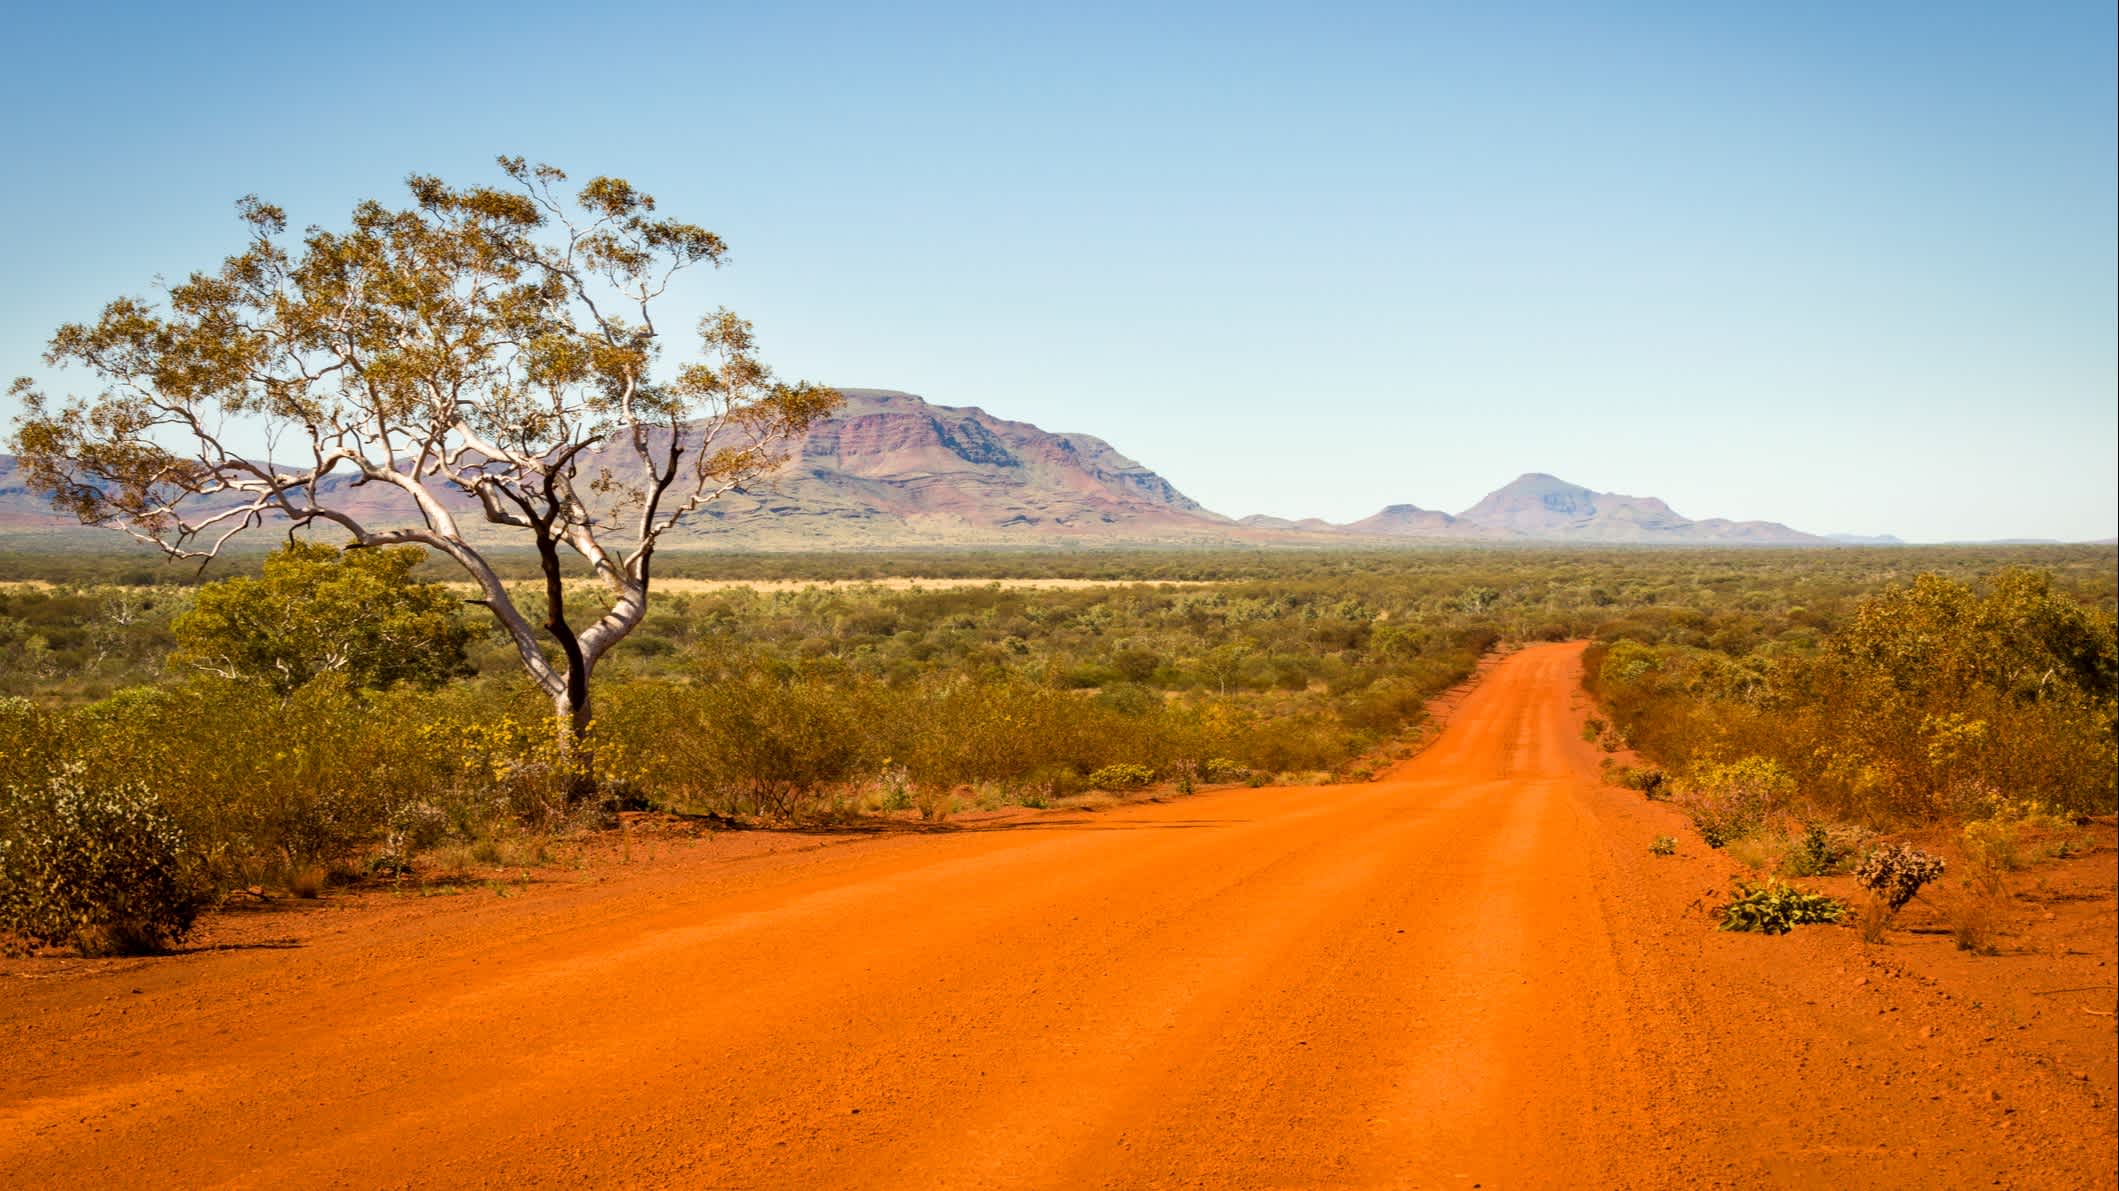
(890, 470)
(1547, 508)
(1864, 539)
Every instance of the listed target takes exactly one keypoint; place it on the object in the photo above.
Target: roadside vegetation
(315, 719)
(1979, 714)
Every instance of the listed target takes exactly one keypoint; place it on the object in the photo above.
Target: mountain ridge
(891, 469)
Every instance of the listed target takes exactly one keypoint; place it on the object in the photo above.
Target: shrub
(102, 869)
(1664, 846)
(1733, 800)
(1121, 776)
(1996, 841)
(1650, 780)
(1824, 850)
(317, 609)
(1773, 908)
(1895, 872)
(1974, 915)
(1222, 769)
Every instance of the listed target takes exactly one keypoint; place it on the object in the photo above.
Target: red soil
(1470, 973)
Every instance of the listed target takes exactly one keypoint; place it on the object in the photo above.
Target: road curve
(1469, 973)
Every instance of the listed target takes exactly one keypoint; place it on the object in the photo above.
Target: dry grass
(308, 881)
(1976, 910)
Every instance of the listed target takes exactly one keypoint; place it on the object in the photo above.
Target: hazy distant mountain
(21, 509)
(1864, 539)
(890, 469)
(1548, 508)
(1407, 521)
(1306, 525)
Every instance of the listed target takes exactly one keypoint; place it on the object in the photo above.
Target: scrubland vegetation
(1816, 697)
(1977, 710)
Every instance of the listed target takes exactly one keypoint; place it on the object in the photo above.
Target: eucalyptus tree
(479, 365)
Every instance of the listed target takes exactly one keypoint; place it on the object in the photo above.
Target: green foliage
(1650, 780)
(1272, 662)
(751, 744)
(1774, 908)
(1121, 776)
(1896, 872)
(1664, 845)
(318, 610)
(2014, 832)
(1825, 849)
(1734, 800)
(100, 867)
(1924, 702)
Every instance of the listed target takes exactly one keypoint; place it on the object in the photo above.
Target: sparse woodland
(1871, 689)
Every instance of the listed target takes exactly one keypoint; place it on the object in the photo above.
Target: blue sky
(1850, 267)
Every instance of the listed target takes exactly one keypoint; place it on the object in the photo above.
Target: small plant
(1256, 780)
(1874, 917)
(1664, 846)
(1774, 908)
(1592, 728)
(101, 869)
(935, 803)
(1121, 776)
(897, 788)
(1973, 915)
(1824, 850)
(1222, 769)
(1895, 872)
(1650, 780)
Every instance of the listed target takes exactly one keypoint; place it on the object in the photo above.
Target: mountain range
(890, 469)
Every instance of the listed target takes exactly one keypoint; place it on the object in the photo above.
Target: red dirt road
(1469, 974)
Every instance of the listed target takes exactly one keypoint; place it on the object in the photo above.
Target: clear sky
(1850, 267)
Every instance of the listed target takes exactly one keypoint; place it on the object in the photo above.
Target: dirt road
(1468, 974)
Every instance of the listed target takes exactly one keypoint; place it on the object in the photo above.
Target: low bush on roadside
(1121, 776)
(2015, 833)
(1664, 845)
(1825, 849)
(1896, 872)
(1975, 912)
(1773, 908)
(1650, 780)
(1730, 801)
(97, 867)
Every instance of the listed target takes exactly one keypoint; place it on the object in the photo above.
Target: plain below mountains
(890, 470)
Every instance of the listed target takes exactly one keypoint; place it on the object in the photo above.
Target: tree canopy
(485, 361)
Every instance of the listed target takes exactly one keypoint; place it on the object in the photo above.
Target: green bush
(1664, 846)
(1730, 801)
(1773, 908)
(1825, 849)
(1122, 776)
(100, 868)
(1650, 780)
